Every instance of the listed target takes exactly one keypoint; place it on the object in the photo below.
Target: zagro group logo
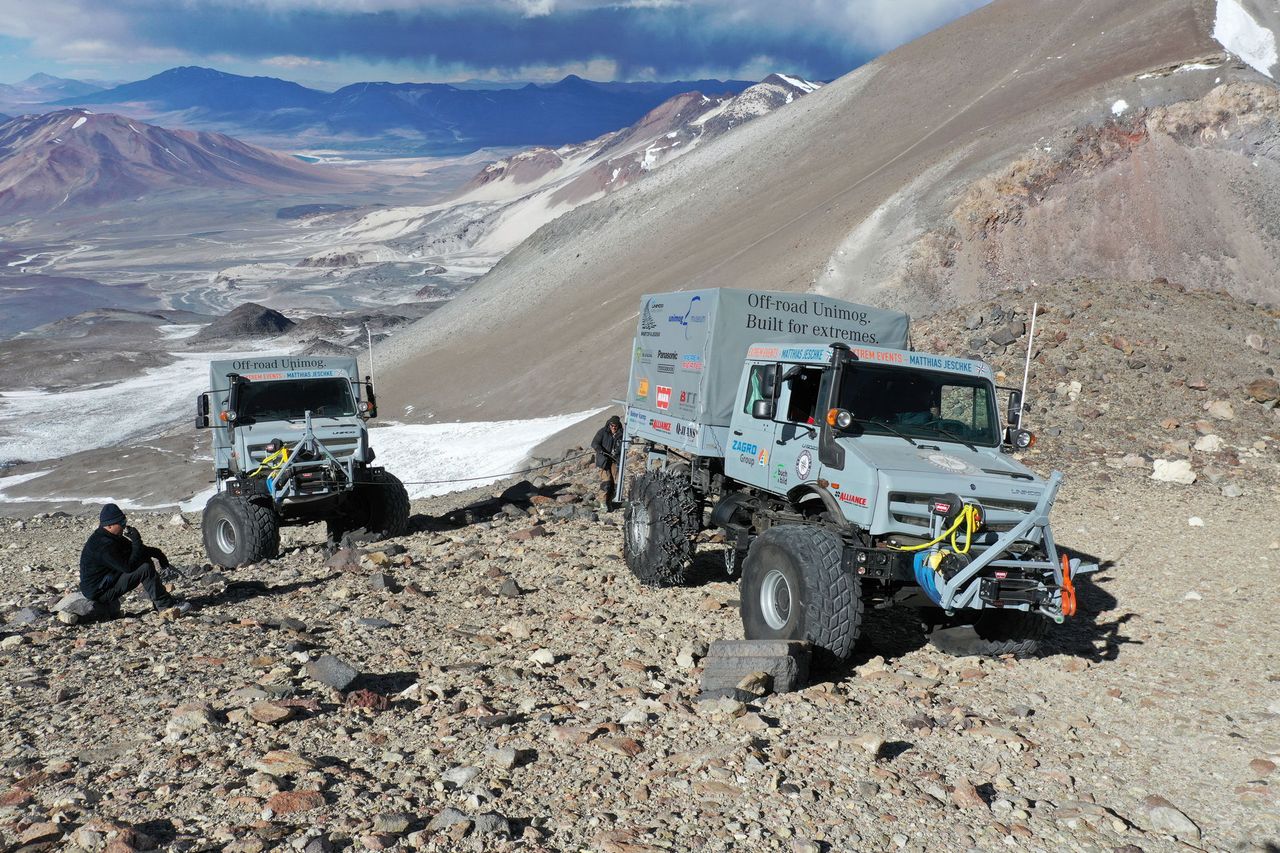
(663, 400)
(740, 446)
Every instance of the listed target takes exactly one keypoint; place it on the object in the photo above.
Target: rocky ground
(497, 680)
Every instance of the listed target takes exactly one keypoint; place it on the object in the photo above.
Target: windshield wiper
(1017, 475)
(951, 435)
(901, 435)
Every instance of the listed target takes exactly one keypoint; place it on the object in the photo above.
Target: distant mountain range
(73, 158)
(433, 118)
(40, 89)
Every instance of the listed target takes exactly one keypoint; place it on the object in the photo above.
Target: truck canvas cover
(690, 347)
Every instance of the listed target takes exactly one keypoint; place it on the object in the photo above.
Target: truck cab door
(795, 452)
(751, 439)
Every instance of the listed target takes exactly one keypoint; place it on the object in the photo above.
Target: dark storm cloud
(666, 40)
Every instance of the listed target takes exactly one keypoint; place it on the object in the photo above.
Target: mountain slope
(835, 192)
(40, 88)
(73, 158)
(510, 198)
(437, 116)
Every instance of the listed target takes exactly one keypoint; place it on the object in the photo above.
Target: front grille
(912, 508)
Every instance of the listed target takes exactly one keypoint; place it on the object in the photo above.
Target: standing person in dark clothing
(608, 447)
(114, 561)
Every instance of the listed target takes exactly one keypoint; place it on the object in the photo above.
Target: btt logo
(663, 400)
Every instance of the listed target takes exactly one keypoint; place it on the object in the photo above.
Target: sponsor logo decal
(746, 447)
(688, 398)
(806, 353)
(688, 316)
(692, 361)
(664, 357)
(688, 431)
(746, 460)
(648, 325)
(763, 457)
(662, 426)
(780, 474)
(642, 390)
(947, 462)
(763, 352)
(804, 464)
(644, 356)
(856, 500)
(663, 400)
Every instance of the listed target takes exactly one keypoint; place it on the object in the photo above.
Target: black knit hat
(614, 421)
(111, 514)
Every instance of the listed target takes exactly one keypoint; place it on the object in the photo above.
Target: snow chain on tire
(660, 522)
(237, 531)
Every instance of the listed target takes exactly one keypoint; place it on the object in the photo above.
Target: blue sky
(333, 42)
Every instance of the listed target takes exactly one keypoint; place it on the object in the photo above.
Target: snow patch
(427, 453)
(79, 122)
(802, 85)
(1119, 107)
(1237, 31)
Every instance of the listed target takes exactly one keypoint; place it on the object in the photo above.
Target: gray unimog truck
(290, 446)
(843, 469)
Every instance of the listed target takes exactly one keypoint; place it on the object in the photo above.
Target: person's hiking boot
(173, 608)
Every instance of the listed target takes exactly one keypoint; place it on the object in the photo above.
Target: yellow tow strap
(971, 520)
(272, 463)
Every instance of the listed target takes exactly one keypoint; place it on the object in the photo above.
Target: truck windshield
(920, 404)
(289, 401)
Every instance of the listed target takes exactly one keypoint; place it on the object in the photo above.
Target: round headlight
(1023, 439)
(844, 420)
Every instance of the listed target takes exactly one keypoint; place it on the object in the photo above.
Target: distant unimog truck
(843, 469)
(290, 446)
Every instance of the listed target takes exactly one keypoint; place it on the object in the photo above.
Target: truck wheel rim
(226, 536)
(775, 599)
(638, 527)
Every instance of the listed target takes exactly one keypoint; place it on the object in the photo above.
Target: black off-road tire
(237, 531)
(659, 522)
(994, 633)
(793, 588)
(380, 505)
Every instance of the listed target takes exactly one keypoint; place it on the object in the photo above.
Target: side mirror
(202, 411)
(769, 381)
(762, 410)
(369, 405)
(1014, 419)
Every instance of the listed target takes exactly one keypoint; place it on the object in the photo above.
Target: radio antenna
(1026, 368)
(369, 332)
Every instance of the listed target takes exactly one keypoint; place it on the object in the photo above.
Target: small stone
(381, 581)
(376, 559)
(178, 520)
(965, 796)
(12, 641)
(67, 618)
(1208, 443)
(1198, 383)
(270, 713)
(535, 532)
(504, 758)
(1175, 471)
(1231, 490)
(1220, 409)
(446, 818)
(510, 589)
(543, 657)
(1195, 521)
(74, 603)
(460, 776)
(1192, 595)
(871, 743)
(190, 717)
(756, 683)
(1262, 767)
(395, 824)
(279, 762)
(492, 823)
(1255, 341)
(332, 671)
(634, 717)
(1263, 390)
(291, 802)
(39, 833)
(1164, 816)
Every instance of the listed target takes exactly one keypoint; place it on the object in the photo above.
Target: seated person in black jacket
(114, 561)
